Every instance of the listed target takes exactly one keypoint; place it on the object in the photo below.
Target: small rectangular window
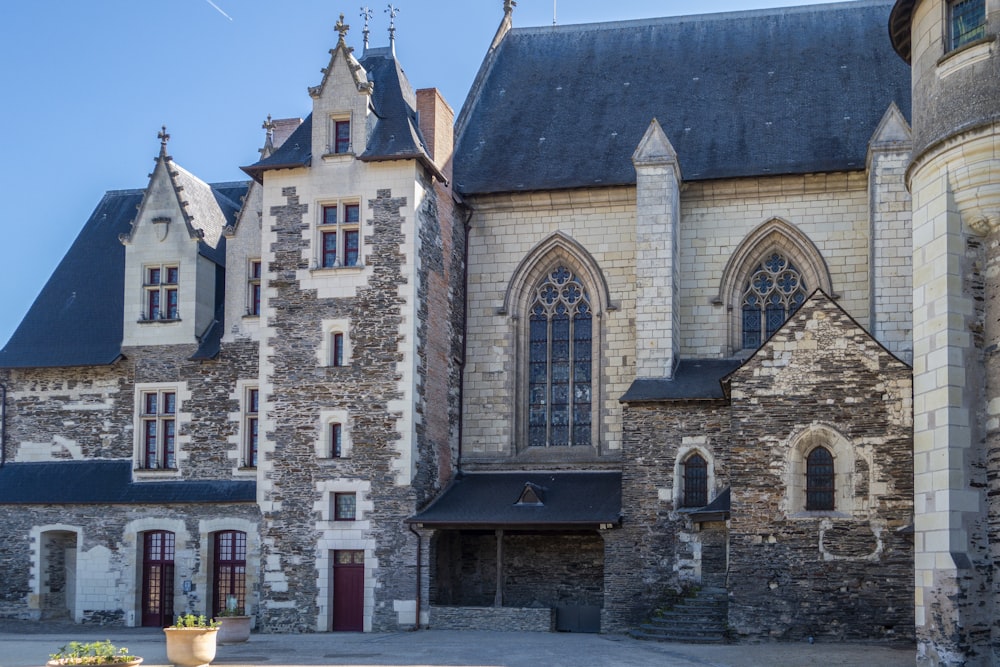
(967, 21)
(344, 507)
(336, 441)
(253, 288)
(337, 349)
(252, 414)
(342, 136)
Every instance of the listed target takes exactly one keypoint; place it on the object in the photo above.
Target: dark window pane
(695, 481)
(819, 480)
(352, 213)
(351, 248)
(329, 215)
(329, 249)
(343, 136)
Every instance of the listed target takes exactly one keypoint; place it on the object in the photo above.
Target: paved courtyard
(28, 645)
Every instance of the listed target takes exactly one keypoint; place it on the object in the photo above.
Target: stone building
(663, 319)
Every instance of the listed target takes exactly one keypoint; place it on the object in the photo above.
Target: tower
(954, 178)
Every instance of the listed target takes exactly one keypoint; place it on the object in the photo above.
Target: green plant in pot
(92, 653)
(191, 641)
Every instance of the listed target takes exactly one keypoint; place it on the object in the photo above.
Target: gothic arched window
(560, 331)
(695, 481)
(774, 291)
(819, 480)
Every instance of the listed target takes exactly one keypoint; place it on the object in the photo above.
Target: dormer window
(967, 22)
(339, 235)
(341, 136)
(160, 287)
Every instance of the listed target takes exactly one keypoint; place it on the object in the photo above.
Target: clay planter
(233, 629)
(191, 647)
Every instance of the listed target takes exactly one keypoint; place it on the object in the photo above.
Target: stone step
(703, 638)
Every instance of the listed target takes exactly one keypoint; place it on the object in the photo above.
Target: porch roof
(538, 500)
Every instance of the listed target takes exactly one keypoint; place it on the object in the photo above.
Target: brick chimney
(437, 120)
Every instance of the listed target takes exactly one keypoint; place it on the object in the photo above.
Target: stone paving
(24, 644)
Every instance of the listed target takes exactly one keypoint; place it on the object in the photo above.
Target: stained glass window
(968, 21)
(775, 291)
(559, 362)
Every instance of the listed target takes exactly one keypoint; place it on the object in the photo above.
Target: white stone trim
(690, 445)
(324, 446)
(324, 354)
(181, 437)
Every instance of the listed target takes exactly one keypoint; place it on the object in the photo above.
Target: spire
(164, 138)
(392, 12)
(342, 28)
(268, 148)
(366, 14)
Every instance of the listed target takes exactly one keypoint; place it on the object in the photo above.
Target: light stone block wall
(502, 232)
(830, 209)
(716, 216)
(242, 246)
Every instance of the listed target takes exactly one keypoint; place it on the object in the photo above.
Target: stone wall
(540, 569)
(492, 619)
(845, 573)
(657, 550)
(84, 559)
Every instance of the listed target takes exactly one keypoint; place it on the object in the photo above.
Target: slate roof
(394, 135)
(490, 500)
(694, 379)
(76, 320)
(717, 510)
(109, 482)
(778, 91)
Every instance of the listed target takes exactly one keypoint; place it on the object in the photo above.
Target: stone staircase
(699, 619)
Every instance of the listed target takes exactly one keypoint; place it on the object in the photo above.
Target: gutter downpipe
(416, 624)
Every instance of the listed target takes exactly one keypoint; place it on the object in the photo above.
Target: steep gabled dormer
(174, 257)
(341, 103)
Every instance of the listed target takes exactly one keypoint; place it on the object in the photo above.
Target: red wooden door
(349, 591)
(230, 569)
(158, 579)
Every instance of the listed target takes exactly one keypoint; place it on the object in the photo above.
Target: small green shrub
(192, 621)
(91, 653)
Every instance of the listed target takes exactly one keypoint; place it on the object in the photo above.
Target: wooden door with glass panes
(349, 591)
(158, 579)
(229, 571)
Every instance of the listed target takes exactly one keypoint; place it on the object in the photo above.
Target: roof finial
(508, 7)
(163, 137)
(366, 14)
(268, 148)
(392, 12)
(342, 28)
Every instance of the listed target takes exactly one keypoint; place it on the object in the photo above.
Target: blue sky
(87, 85)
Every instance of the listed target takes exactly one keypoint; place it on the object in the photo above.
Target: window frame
(338, 511)
(338, 240)
(160, 285)
(251, 428)
(821, 486)
(155, 442)
(956, 39)
(254, 267)
(690, 485)
(340, 135)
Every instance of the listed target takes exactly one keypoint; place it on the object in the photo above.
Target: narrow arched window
(774, 291)
(695, 481)
(559, 362)
(819, 480)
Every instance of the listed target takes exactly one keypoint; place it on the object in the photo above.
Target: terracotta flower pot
(233, 629)
(191, 647)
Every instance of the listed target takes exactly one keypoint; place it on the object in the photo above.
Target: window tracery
(774, 291)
